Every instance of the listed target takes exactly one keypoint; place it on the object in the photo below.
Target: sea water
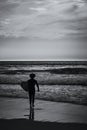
(59, 81)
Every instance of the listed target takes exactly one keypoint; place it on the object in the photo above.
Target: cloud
(43, 29)
(46, 19)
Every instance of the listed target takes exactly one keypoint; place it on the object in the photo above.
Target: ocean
(60, 81)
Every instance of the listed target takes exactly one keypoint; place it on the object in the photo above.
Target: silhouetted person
(31, 89)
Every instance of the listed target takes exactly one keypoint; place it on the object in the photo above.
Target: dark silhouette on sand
(31, 89)
(31, 115)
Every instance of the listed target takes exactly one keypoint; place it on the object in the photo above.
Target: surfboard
(24, 85)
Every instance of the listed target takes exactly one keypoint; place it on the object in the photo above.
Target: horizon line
(43, 60)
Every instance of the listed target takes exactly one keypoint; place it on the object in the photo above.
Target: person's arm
(37, 86)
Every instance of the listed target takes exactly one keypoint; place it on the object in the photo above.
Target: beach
(15, 108)
(60, 104)
(46, 113)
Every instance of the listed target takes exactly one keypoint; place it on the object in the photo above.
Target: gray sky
(43, 29)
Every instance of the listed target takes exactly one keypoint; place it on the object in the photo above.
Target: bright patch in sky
(43, 29)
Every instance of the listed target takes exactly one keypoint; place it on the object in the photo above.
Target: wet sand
(16, 108)
(14, 115)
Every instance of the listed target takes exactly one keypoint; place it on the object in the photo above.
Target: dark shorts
(32, 92)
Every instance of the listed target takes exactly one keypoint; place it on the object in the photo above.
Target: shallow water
(58, 93)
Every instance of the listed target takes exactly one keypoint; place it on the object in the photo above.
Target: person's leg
(33, 96)
(30, 98)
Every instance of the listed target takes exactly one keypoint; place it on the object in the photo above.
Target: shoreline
(41, 99)
(57, 93)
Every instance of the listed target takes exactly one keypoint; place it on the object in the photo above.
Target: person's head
(32, 76)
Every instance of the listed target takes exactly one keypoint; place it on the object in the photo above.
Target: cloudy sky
(43, 29)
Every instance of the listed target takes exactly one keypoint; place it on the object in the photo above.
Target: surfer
(31, 88)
